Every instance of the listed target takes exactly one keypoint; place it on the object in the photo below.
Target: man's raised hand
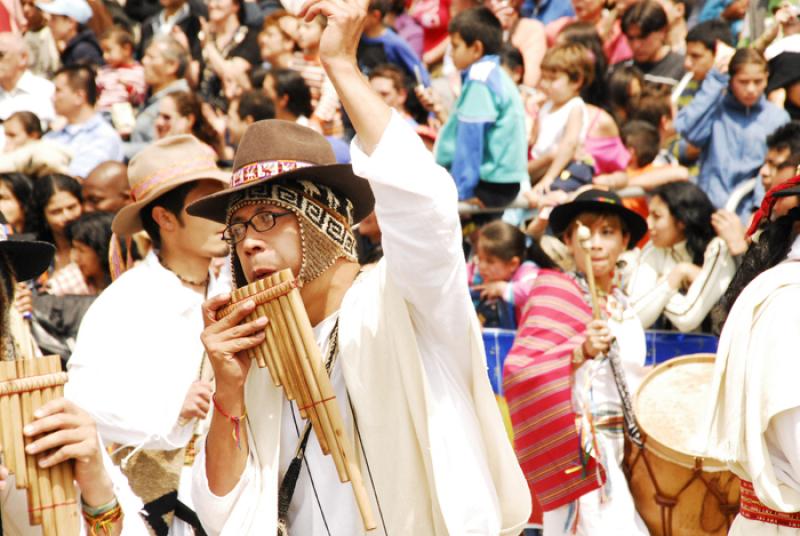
(340, 37)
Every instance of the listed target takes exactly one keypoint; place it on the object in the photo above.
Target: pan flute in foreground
(294, 360)
(26, 385)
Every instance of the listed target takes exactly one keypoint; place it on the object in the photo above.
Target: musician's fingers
(50, 423)
(212, 305)
(3, 477)
(246, 329)
(81, 451)
(203, 408)
(59, 405)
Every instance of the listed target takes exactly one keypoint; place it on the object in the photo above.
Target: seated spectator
(615, 44)
(380, 45)
(77, 43)
(275, 41)
(90, 236)
(20, 89)
(251, 106)
(584, 33)
(229, 50)
(121, 79)
(685, 268)
(730, 11)
(483, 144)
(784, 34)
(180, 112)
(785, 78)
(625, 85)
(44, 58)
(702, 42)
(57, 203)
(678, 12)
(645, 25)
(562, 123)
(730, 127)
(291, 95)
(655, 107)
(106, 189)
(390, 83)
(326, 116)
(16, 201)
(90, 138)
(524, 33)
(502, 273)
(25, 151)
(19, 129)
(404, 24)
(781, 146)
(165, 63)
(433, 16)
(174, 16)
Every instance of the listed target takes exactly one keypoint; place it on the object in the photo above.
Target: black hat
(597, 201)
(28, 258)
(784, 70)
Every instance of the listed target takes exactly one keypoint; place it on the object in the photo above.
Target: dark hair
(746, 56)
(585, 33)
(120, 36)
(22, 188)
(691, 206)
(709, 32)
(43, 189)
(94, 230)
(771, 248)
(187, 105)
(478, 24)
(291, 83)
(393, 73)
(511, 58)
(172, 201)
(30, 122)
(384, 6)
(80, 78)
(255, 103)
(619, 89)
(643, 138)
(504, 241)
(652, 106)
(786, 136)
(648, 15)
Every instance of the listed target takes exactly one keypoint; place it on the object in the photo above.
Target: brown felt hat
(161, 167)
(275, 150)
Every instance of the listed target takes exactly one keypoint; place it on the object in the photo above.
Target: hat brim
(128, 220)
(563, 215)
(340, 177)
(28, 259)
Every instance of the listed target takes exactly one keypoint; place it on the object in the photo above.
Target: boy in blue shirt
(484, 143)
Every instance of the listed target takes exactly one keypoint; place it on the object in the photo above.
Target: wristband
(236, 421)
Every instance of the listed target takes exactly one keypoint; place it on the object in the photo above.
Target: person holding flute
(575, 326)
(60, 432)
(401, 340)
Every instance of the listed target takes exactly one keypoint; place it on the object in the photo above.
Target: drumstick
(584, 236)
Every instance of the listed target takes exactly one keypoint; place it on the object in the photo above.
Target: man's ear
(165, 219)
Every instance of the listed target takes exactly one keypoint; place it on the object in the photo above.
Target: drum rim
(657, 447)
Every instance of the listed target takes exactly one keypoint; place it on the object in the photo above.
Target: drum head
(669, 407)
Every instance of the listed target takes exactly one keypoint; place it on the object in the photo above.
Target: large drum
(677, 492)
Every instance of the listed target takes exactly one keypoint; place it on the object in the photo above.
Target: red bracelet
(236, 421)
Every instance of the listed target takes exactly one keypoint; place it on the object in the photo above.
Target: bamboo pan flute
(294, 360)
(26, 385)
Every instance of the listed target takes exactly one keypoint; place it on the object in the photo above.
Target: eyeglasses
(261, 222)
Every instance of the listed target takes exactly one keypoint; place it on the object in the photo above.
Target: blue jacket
(399, 53)
(732, 138)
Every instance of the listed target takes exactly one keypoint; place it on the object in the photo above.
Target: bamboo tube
(307, 404)
(37, 368)
(256, 351)
(268, 339)
(17, 440)
(6, 421)
(326, 431)
(34, 499)
(351, 465)
(283, 356)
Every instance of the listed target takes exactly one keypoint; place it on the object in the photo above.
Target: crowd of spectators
(684, 106)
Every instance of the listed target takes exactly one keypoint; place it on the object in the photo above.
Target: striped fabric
(537, 384)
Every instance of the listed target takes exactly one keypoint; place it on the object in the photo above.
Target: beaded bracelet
(103, 521)
(95, 511)
(236, 421)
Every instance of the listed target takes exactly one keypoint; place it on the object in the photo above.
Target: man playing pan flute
(138, 362)
(408, 367)
(62, 430)
(753, 416)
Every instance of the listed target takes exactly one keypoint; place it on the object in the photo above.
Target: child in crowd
(625, 85)
(502, 273)
(90, 236)
(562, 124)
(483, 144)
(121, 80)
(275, 41)
(326, 117)
(731, 126)
(702, 42)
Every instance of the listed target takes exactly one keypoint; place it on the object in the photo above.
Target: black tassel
(289, 482)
